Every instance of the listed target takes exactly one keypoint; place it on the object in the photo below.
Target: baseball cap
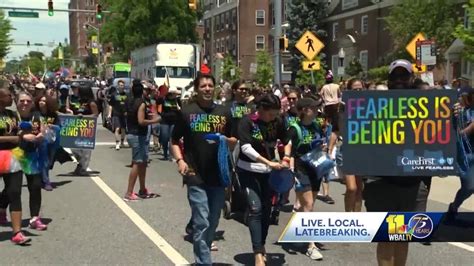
(40, 86)
(401, 63)
(306, 103)
(465, 91)
(64, 87)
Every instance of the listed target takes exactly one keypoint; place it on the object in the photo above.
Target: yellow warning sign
(309, 45)
(411, 46)
(419, 69)
(311, 65)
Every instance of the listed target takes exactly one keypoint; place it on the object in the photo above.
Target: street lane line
(159, 241)
(462, 245)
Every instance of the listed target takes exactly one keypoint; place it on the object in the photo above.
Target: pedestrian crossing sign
(309, 45)
(311, 65)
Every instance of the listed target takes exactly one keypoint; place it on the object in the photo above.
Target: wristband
(286, 159)
(180, 159)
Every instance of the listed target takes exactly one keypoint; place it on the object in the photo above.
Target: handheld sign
(399, 133)
(77, 132)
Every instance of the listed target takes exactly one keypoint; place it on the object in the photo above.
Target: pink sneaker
(131, 197)
(20, 239)
(3, 218)
(35, 223)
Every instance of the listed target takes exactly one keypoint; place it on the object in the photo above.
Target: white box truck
(180, 62)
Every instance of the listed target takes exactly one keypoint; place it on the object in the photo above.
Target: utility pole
(276, 42)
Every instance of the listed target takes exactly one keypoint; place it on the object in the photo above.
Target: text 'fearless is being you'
(388, 120)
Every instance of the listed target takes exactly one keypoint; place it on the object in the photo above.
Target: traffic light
(192, 4)
(283, 43)
(28, 44)
(50, 8)
(98, 9)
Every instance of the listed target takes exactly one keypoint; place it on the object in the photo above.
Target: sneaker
(131, 197)
(144, 194)
(189, 228)
(48, 187)
(37, 224)
(117, 146)
(327, 199)
(20, 239)
(3, 218)
(314, 253)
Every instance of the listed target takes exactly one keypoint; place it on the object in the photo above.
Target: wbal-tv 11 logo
(419, 226)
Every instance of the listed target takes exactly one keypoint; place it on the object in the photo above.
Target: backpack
(299, 132)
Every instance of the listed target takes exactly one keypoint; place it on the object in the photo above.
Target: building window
(364, 24)
(260, 17)
(221, 2)
(346, 4)
(349, 24)
(364, 59)
(335, 27)
(260, 42)
(334, 63)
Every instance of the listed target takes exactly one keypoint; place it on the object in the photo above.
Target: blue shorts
(139, 147)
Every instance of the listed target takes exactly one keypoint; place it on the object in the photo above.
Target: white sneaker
(117, 146)
(314, 253)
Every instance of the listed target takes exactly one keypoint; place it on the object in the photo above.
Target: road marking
(159, 241)
(462, 245)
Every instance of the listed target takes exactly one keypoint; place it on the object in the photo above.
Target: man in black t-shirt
(198, 164)
(117, 112)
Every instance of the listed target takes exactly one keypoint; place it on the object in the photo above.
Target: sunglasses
(25, 101)
(292, 98)
(243, 89)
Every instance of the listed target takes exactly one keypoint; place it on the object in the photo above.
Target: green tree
(35, 54)
(437, 19)
(304, 15)
(264, 68)
(230, 67)
(35, 64)
(5, 38)
(467, 34)
(139, 23)
(304, 78)
(355, 68)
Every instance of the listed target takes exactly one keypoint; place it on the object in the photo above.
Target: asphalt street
(90, 224)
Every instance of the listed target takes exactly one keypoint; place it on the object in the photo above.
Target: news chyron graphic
(361, 227)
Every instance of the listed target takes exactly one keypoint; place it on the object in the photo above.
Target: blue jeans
(165, 135)
(206, 204)
(467, 185)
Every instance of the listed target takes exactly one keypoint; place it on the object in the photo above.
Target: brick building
(77, 21)
(235, 27)
(357, 27)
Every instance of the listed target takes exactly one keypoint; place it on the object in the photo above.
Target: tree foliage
(304, 15)
(5, 38)
(229, 67)
(437, 19)
(304, 78)
(139, 23)
(355, 68)
(467, 34)
(265, 72)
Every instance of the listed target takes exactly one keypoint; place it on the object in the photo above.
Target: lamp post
(87, 26)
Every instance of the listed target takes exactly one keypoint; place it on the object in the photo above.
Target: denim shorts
(139, 147)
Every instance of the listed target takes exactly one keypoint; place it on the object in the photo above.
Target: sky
(44, 29)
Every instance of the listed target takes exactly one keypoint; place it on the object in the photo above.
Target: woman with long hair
(137, 125)
(354, 184)
(12, 175)
(48, 108)
(31, 135)
(258, 135)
